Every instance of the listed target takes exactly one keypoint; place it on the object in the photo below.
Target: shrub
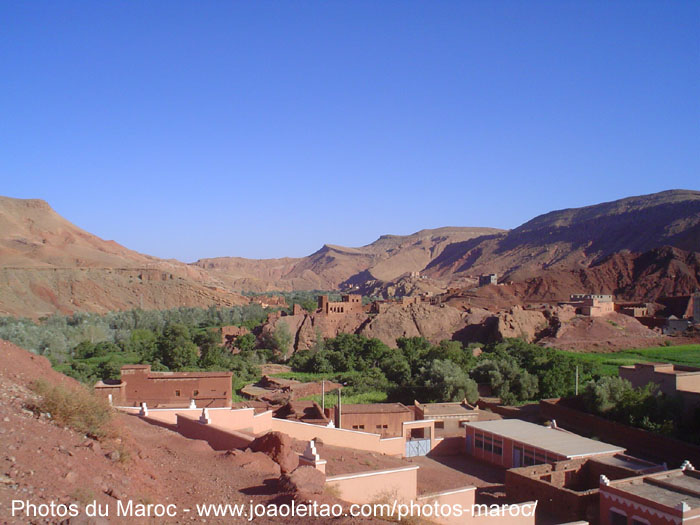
(76, 408)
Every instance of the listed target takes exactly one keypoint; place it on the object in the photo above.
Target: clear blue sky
(263, 129)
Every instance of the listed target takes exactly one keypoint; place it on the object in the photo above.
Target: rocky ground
(42, 462)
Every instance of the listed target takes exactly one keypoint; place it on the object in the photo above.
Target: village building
(679, 306)
(488, 278)
(167, 389)
(385, 419)
(449, 417)
(632, 309)
(568, 490)
(653, 499)
(671, 379)
(349, 304)
(592, 305)
(516, 443)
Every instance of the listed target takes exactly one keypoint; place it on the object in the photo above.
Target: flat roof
(668, 488)
(545, 438)
(445, 409)
(374, 408)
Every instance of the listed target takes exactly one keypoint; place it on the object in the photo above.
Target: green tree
(175, 348)
(245, 342)
(446, 382)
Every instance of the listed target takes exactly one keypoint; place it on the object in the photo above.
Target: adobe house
(167, 389)
(592, 305)
(680, 306)
(666, 497)
(516, 443)
(632, 309)
(489, 278)
(671, 379)
(349, 304)
(385, 419)
(568, 490)
(448, 417)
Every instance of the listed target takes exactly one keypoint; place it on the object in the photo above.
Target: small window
(379, 426)
(362, 427)
(385, 426)
(196, 393)
(439, 424)
(177, 393)
(354, 427)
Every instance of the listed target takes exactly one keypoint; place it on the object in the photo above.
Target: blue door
(516, 458)
(417, 447)
(469, 445)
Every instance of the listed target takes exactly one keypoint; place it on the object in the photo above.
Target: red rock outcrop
(278, 447)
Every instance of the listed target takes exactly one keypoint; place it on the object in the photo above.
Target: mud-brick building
(348, 304)
(666, 497)
(515, 443)
(167, 389)
(592, 305)
(569, 490)
(672, 380)
(449, 417)
(385, 419)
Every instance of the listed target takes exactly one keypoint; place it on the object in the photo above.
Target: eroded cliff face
(555, 326)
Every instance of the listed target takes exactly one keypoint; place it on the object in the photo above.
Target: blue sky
(264, 129)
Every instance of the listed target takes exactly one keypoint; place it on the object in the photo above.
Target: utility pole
(338, 422)
(576, 380)
(323, 395)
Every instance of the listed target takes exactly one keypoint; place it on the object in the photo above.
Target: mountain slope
(577, 238)
(48, 265)
(332, 266)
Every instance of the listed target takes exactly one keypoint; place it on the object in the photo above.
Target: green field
(682, 355)
(374, 396)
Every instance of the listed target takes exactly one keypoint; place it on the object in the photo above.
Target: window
(196, 393)
(439, 424)
(385, 426)
(617, 518)
(479, 441)
(529, 458)
(498, 446)
(177, 393)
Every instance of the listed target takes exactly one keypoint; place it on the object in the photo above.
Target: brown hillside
(331, 267)
(49, 265)
(43, 462)
(577, 238)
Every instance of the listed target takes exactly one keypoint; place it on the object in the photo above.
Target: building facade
(349, 304)
(449, 417)
(513, 443)
(168, 389)
(385, 419)
(670, 497)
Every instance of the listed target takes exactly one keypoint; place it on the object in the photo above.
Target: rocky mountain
(48, 265)
(635, 247)
(577, 238)
(332, 267)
